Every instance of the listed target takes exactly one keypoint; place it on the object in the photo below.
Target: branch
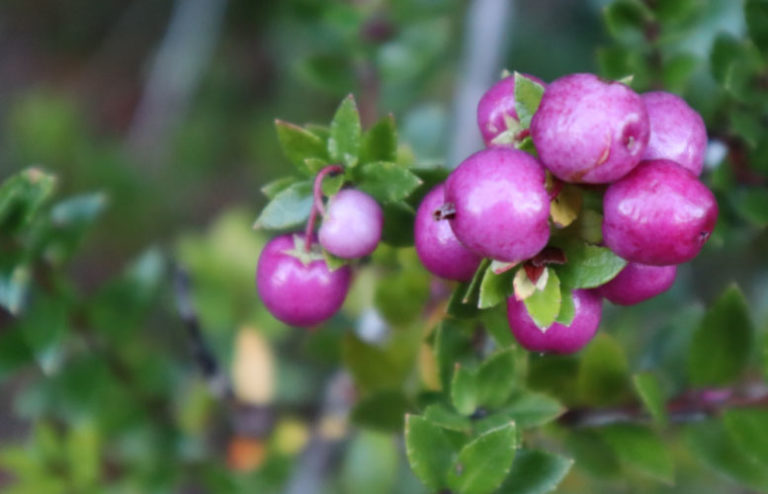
(691, 406)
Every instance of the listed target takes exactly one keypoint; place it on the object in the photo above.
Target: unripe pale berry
(638, 282)
(296, 293)
(558, 338)
(436, 244)
(659, 214)
(496, 106)
(677, 131)
(501, 204)
(352, 224)
(590, 130)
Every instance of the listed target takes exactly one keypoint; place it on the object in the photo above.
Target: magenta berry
(436, 244)
(677, 131)
(352, 224)
(496, 106)
(638, 282)
(501, 204)
(296, 292)
(659, 214)
(590, 130)
(558, 338)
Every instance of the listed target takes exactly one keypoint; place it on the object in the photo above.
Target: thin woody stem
(317, 205)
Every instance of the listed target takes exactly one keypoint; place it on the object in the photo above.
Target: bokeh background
(166, 110)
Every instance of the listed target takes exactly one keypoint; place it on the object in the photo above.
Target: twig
(691, 406)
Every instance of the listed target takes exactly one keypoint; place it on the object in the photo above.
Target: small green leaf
(13, 288)
(429, 451)
(495, 288)
(484, 462)
(380, 141)
(721, 346)
(334, 262)
(533, 409)
(446, 418)
(749, 431)
(756, 14)
(564, 209)
(588, 266)
(625, 20)
(332, 185)
(496, 379)
(452, 345)
(464, 390)
(300, 144)
(649, 391)
(276, 186)
(536, 472)
(567, 307)
(544, 305)
(387, 182)
(640, 450)
(288, 209)
(344, 143)
(314, 165)
(496, 323)
(710, 444)
(382, 410)
(456, 306)
(22, 195)
(528, 95)
(603, 372)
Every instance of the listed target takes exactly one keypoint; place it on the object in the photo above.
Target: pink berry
(658, 214)
(437, 246)
(496, 105)
(590, 130)
(352, 224)
(638, 282)
(298, 293)
(677, 131)
(558, 338)
(501, 204)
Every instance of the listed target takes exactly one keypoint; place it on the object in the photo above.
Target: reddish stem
(317, 204)
(557, 186)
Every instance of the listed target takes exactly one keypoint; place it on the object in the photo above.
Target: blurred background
(162, 113)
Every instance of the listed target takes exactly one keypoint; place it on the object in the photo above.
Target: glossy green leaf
(749, 431)
(544, 305)
(588, 266)
(536, 472)
(495, 288)
(299, 144)
(276, 186)
(289, 208)
(429, 451)
(344, 143)
(387, 182)
(528, 95)
(464, 390)
(532, 409)
(446, 418)
(639, 450)
(381, 410)
(648, 388)
(380, 141)
(484, 462)
(711, 445)
(567, 307)
(495, 379)
(721, 346)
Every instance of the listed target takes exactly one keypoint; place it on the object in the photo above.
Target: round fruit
(496, 106)
(658, 214)
(638, 282)
(352, 224)
(590, 130)
(677, 131)
(557, 338)
(437, 246)
(501, 204)
(299, 292)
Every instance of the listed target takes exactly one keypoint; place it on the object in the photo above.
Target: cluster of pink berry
(643, 153)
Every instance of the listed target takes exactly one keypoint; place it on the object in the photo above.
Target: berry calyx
(496, 109)
(659, 214)
(501, 204)
(296, 286)
(677, 131)
(436, 244)
(557, 338)
(637, 283)
(590, 130)
(352, 224)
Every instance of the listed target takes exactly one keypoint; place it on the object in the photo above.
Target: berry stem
(557, 186)
(317, 204)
